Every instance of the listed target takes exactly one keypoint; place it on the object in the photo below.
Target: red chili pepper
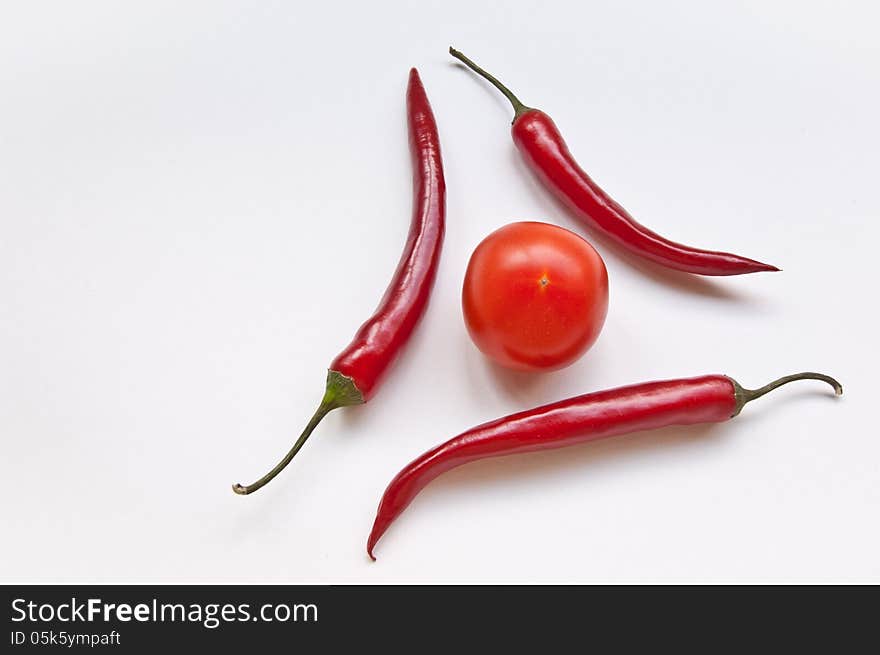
(355, 374)
(545, 150)
(707, 399)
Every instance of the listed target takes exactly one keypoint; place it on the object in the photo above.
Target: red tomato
(535, 296)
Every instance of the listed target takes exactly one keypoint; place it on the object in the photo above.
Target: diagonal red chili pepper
(357, 371)
(706, 399)
(544, 149)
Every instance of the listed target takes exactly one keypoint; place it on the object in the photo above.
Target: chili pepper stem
(323, 410)
(341, 392)
(744, 395)
(518, 107)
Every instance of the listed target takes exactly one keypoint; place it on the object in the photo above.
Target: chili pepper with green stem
(544, 149)
(706, 399)
(355, 374)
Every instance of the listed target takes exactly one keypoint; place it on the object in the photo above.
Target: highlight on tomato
(535, 296)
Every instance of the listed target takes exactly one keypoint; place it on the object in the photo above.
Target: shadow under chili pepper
(686, 282)
(582, 457)
(475, 476)
(586, 458)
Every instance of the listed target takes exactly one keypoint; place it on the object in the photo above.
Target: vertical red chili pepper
(544, 149)
(706, 399)
(357, 371)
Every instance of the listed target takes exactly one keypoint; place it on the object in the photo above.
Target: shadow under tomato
(518, 384)
(533, 388)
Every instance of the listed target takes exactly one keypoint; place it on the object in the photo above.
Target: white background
(200, 203)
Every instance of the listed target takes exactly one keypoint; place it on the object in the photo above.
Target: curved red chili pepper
(706, 399)
(355, 374)
(545, 150)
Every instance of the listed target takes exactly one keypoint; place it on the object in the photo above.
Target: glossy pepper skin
(356, 373)
(705, 399)
(381, 338)
(542, 146)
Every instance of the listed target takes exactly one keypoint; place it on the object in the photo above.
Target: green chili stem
(323, 410)
(518, 107)
(341, 392)
(744, 395)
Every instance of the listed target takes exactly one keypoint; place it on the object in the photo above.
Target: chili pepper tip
(376, 534)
